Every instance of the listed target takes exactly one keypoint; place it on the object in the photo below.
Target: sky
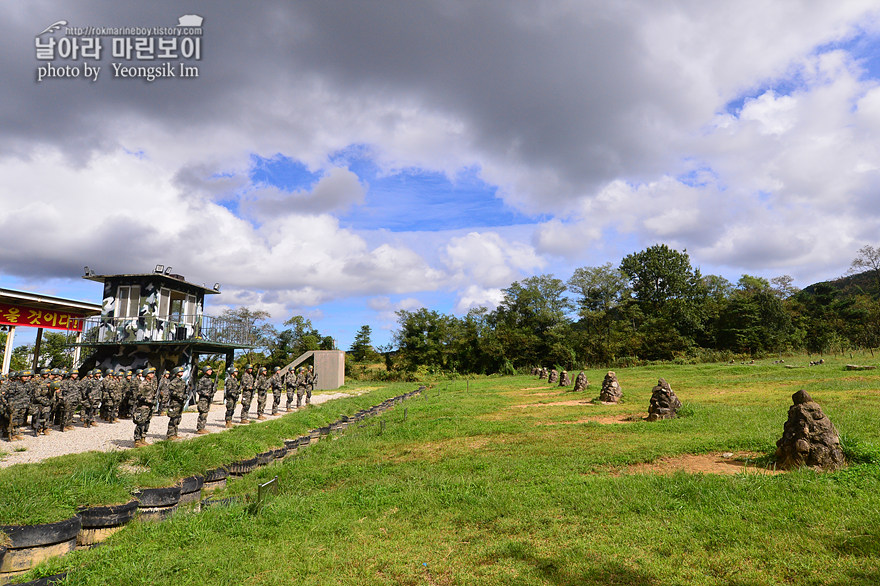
(343, 160)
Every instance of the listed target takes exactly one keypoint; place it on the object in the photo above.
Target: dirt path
(120, 436)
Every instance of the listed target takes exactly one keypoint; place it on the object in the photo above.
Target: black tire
(192, 484)
(216, 474)
(158, 497)
(21, 536)
(108, 516)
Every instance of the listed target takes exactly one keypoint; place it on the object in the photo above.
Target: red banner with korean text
(19, 315)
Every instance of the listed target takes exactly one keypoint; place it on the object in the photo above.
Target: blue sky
(352, 159)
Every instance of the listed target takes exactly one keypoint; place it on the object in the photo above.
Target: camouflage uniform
(41, 403)
(56, 415)
(231, 392)
(4, 405)
(290, 384)
(247, 392)
(205, 390)
(71, 398)
(277, 381)
(311, 381)
(93, 395)
(110, 396)
(163, 393)
(19, 400)
(128, 388)
(262, 386)
(176, 398)
(300, 386)
(144, 400)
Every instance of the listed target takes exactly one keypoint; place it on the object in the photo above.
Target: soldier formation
(53, 396)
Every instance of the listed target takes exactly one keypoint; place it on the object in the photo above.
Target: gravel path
(120, 436)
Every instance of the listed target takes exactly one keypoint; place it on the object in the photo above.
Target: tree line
(653, 306)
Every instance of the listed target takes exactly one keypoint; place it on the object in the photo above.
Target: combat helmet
(276, 369)
(177, 370)
(206, 368)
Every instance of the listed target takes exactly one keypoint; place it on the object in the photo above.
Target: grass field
(512, 481)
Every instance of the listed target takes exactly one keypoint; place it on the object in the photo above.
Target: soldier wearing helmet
(290, 386)
(231, 392)
(176, 398)
(162, 402)
(205, 390)
(277, 388)
(71, 392)
(311, 381)
(300, 385)
(144, 399)
(247, 391)
(262, 386)
(41, 404)
(126, 402)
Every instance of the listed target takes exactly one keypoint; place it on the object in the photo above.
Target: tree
(362, 347)
(783, 286)
(301, 336)
(422, 339)
(671, 297)
(531, 322)
(755, 319)
(251, 322)
(868, 259)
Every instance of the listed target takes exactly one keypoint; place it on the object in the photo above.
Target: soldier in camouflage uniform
(300, 385)
(4, 405)
(176, 398)
(262, 386)
(277, 389)
(71, 398)
(128, 387)
(93, 394)
(231, 393)
(311, 381)
(290, 385)
(144, 400)
(247, 391)
(205, 390)
(56, 416)
(112, 394)
(18, 398)
(164, 382)
(41, 404)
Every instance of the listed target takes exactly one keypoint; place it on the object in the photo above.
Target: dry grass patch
(713, 463)
(603, 420)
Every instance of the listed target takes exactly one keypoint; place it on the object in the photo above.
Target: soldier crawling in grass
(176, 398)
(231, 392)
(205, 390)
(144, 400)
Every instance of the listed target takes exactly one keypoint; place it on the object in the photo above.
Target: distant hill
(860, 283)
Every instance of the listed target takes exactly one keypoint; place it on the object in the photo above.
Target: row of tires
(28, 545)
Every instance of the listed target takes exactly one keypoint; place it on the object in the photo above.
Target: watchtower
(158, 318)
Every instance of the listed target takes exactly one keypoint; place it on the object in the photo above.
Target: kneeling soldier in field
(205, 391)
(144, 400)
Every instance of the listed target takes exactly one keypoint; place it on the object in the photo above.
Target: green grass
(515, 482)
(52, 490)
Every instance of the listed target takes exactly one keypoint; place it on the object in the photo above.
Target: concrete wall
(330, 368)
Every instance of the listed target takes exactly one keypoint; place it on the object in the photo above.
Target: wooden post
(37, 350)
(7, 352)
